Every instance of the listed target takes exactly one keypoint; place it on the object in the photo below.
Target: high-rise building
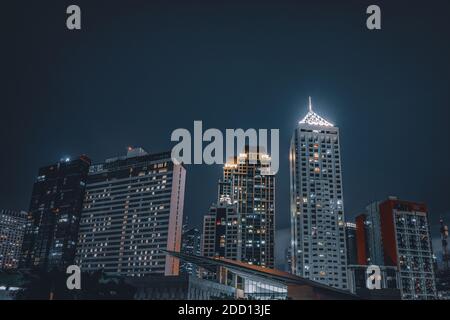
(317, 202)
(399, 233)
(133, 211)
(190, 244)
(249, 183)
(54, 216)
(12, 229)
(221, 232)
(350, 239)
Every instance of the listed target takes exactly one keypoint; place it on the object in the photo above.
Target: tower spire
(313, 118)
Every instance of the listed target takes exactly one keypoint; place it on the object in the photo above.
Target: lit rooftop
(314, 119)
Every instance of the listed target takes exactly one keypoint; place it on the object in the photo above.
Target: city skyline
(279, 258)
(262, 61)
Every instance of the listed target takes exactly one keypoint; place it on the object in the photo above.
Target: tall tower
(317, 202)
(54, 216)
(133, 210)
(397, 233)
(249, 184)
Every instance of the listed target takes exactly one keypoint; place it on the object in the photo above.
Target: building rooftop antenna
(314, 119)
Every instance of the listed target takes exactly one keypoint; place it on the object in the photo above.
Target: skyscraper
(12, 229)
(54, 215)
(133, 210)
(401, 238)
(249, 184)
(317, 202)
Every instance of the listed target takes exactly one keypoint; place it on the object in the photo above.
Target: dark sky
(140, 69)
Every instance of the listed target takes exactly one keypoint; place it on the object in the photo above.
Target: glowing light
(314, 119)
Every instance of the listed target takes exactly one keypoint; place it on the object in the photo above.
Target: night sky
(140, 69)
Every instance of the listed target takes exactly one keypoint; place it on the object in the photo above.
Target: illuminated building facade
(54, 216)
(221, 232)
(133, 210)
(399, 233)
(317, 203)
(249, 184)
(12, 229)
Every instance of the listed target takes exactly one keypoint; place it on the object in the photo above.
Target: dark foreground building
(54, 216)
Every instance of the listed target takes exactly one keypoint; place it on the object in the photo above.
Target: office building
(317, 203)
(133, 211)
(12, 230)
(54, 216)
(249, 184)
(400, 236)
